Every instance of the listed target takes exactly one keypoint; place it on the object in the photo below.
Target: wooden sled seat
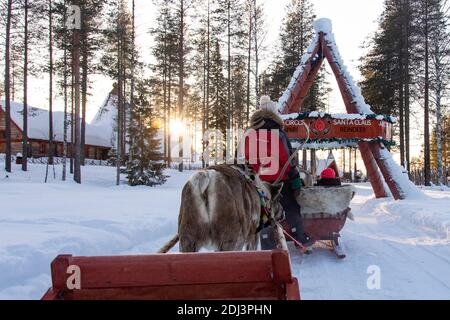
(192, 276)
(326, 202)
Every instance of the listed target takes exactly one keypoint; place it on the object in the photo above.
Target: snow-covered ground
(409, 241)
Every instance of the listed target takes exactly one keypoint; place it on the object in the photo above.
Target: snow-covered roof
(107, 114)
(38, 125)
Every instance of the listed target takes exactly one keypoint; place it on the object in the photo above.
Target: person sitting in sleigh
(328, 179)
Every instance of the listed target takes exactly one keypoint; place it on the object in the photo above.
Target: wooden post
(372, 170)
(393, 186)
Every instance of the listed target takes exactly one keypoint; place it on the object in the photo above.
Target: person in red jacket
(264, 121)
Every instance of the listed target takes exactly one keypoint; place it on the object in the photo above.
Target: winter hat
(265, 103)
(328, 173)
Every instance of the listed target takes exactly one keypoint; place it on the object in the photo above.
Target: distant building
(98, 137)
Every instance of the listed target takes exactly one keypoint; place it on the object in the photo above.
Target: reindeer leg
(188, 246)
(252, 244)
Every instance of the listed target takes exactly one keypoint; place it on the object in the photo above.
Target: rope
(301, 246)
(286, 165)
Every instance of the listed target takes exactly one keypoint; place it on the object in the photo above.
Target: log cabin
(99, 139)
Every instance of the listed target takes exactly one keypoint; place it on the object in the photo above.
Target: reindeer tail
(169, 245)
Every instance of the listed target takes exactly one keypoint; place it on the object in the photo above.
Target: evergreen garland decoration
(342, 141)
(315, 114)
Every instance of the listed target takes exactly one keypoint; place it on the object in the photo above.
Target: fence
(59, 160)
(418, 177)
(187, 166)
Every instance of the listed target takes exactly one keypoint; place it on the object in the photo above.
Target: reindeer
(221, 209)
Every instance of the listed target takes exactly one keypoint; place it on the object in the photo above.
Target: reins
(286, 165)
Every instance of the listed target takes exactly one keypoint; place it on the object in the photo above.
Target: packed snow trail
(408, 240)
(413, 258)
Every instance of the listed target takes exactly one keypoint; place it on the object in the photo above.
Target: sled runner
(263, 275)
(325, 211)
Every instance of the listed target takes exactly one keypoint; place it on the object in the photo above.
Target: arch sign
(359, 126)
(331, 127)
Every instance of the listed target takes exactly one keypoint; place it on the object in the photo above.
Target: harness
(266, 213)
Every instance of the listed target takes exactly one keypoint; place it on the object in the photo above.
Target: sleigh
(325, 211)
(264, 275)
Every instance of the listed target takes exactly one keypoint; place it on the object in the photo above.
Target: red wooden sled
(324, 229)
(262, 275)
(325, 211)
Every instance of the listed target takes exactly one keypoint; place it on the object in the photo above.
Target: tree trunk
(166, 119)
(132, 87)
(229, 112)
(66, 120)
(8, 88)
(25, 92)
(249, 61)
(72, 117)
(77, 129)
(169, 114)
(402, 122)
(205, 103)
(440, 169)
(64, 165)
(255, 8)
(427, 107)
(181, 83)
(208, 74)
(119, 100)
(407, 88)
(50, 95)
(84, 89)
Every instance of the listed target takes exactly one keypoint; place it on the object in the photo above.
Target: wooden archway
(324, 47)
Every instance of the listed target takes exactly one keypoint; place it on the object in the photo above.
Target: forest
(207, 73)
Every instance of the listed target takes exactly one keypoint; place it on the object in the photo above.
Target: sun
(177, 127)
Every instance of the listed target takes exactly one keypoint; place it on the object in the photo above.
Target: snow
(400, 175)
(38, 121)
(408, 240)
(323, 25)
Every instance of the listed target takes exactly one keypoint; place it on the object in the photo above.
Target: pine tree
(440, 80)
(259, 37)
(441, 158)
(390, 66)
(201, 44)
(165, 52)
(91, 42)
(296, 35)
(116, 62)
(147, 163)
(218, 102)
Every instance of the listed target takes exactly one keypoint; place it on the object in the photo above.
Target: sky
(353, 23)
